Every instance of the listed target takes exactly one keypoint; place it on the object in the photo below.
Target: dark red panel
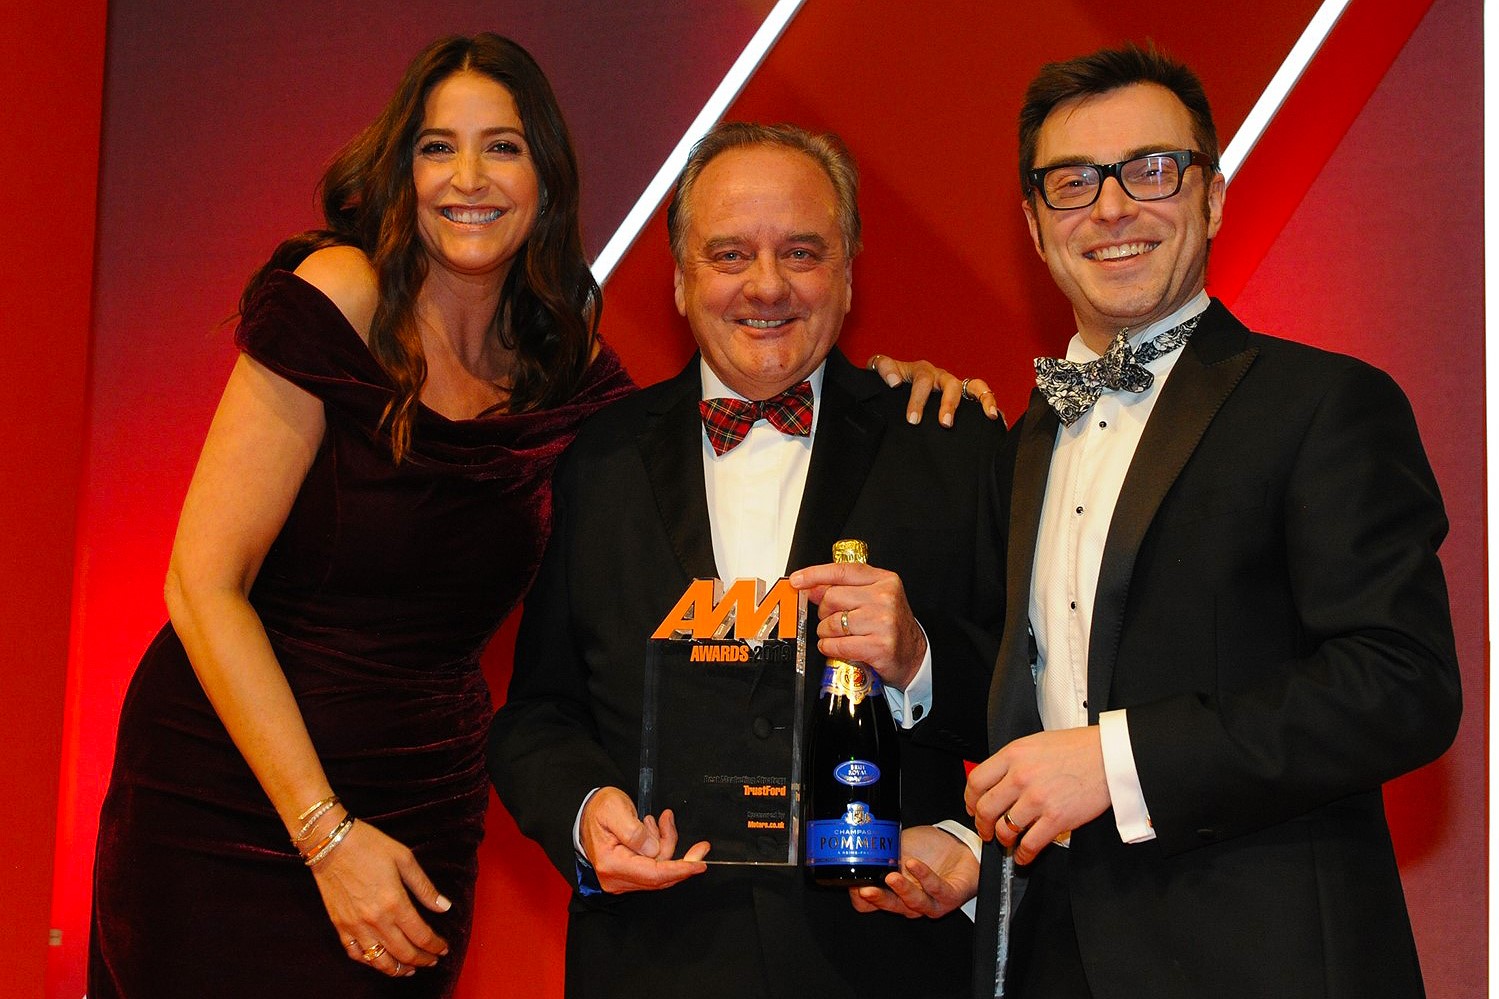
(50, 89)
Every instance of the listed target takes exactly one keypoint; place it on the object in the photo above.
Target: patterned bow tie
(1072, 387)
(728, 421)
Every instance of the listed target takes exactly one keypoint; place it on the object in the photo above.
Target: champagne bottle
(853, 803)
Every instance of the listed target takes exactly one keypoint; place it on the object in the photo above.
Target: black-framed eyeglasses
(1152, 177)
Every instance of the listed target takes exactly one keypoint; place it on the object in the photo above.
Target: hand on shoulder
(345, 275)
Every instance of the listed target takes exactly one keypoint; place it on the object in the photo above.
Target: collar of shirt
(755, 491)
(1082, 353)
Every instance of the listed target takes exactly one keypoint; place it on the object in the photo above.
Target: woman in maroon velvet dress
(372, 499)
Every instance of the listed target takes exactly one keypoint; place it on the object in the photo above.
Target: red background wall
(217, 121)
(51, 81)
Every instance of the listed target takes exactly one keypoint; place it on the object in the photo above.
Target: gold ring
(374, 952)
(874, 360)
(843, 620)
(964, 392)
(1017, 830)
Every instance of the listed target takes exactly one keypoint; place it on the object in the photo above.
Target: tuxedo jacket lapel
(671, 447)
(1032, 469)
(1212, 364)
(848, 437)
(1012, 708)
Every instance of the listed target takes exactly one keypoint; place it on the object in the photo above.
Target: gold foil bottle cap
(850, 550)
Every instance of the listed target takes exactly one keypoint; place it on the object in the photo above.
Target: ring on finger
(874, 361)
(843, 620)
(373, 952)
(1017, 830)
(965, 389)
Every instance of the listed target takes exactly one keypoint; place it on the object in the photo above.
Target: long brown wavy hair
(550, 305)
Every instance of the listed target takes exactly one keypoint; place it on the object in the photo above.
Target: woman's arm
(924, 376)
(260, 446)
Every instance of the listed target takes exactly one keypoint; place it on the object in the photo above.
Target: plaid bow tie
(1072, 387)
(728, 421)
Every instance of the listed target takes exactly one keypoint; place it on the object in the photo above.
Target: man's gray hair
(825, 149)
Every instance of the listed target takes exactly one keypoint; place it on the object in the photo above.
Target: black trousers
(1045, 962)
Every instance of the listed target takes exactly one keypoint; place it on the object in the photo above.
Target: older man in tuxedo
(1226, 625)
(767, 448)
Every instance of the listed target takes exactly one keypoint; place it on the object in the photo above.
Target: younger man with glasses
(1226, 623)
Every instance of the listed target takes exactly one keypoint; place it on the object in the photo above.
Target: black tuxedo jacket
(1272, 614)
(631, 530)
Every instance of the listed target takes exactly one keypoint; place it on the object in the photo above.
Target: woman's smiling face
(477, 194)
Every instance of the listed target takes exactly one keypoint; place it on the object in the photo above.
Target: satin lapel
(848, 437)
(1214, 361)
(1012, 705)
(671, 446)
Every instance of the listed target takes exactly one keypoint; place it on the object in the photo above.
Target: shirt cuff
(1131, 815)
(971, 840)
(587, 879)
(909, 706)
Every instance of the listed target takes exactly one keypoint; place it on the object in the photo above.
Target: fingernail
(893, 380)
(946, 421)
(913, 418)
(443, 905)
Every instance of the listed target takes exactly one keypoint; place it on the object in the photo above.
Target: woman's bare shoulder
(345, 275)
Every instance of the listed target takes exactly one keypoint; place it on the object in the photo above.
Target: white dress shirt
(754, 493)
(1088, 466)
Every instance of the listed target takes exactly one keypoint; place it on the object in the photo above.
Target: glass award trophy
(721, 742)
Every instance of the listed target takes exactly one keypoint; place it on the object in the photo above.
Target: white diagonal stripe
(1280, 85)
(738, 75)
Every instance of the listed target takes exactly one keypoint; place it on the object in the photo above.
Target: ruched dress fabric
(379, 595)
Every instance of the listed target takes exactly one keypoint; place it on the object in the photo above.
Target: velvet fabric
(378, 597)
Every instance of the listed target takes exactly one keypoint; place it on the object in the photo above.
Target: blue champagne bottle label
(856, 838)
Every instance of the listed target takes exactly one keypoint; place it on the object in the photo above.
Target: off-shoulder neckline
(487, 416)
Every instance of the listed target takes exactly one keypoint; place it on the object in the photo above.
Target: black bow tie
(1072, 387)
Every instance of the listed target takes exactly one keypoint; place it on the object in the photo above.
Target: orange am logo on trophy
(707, 610)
